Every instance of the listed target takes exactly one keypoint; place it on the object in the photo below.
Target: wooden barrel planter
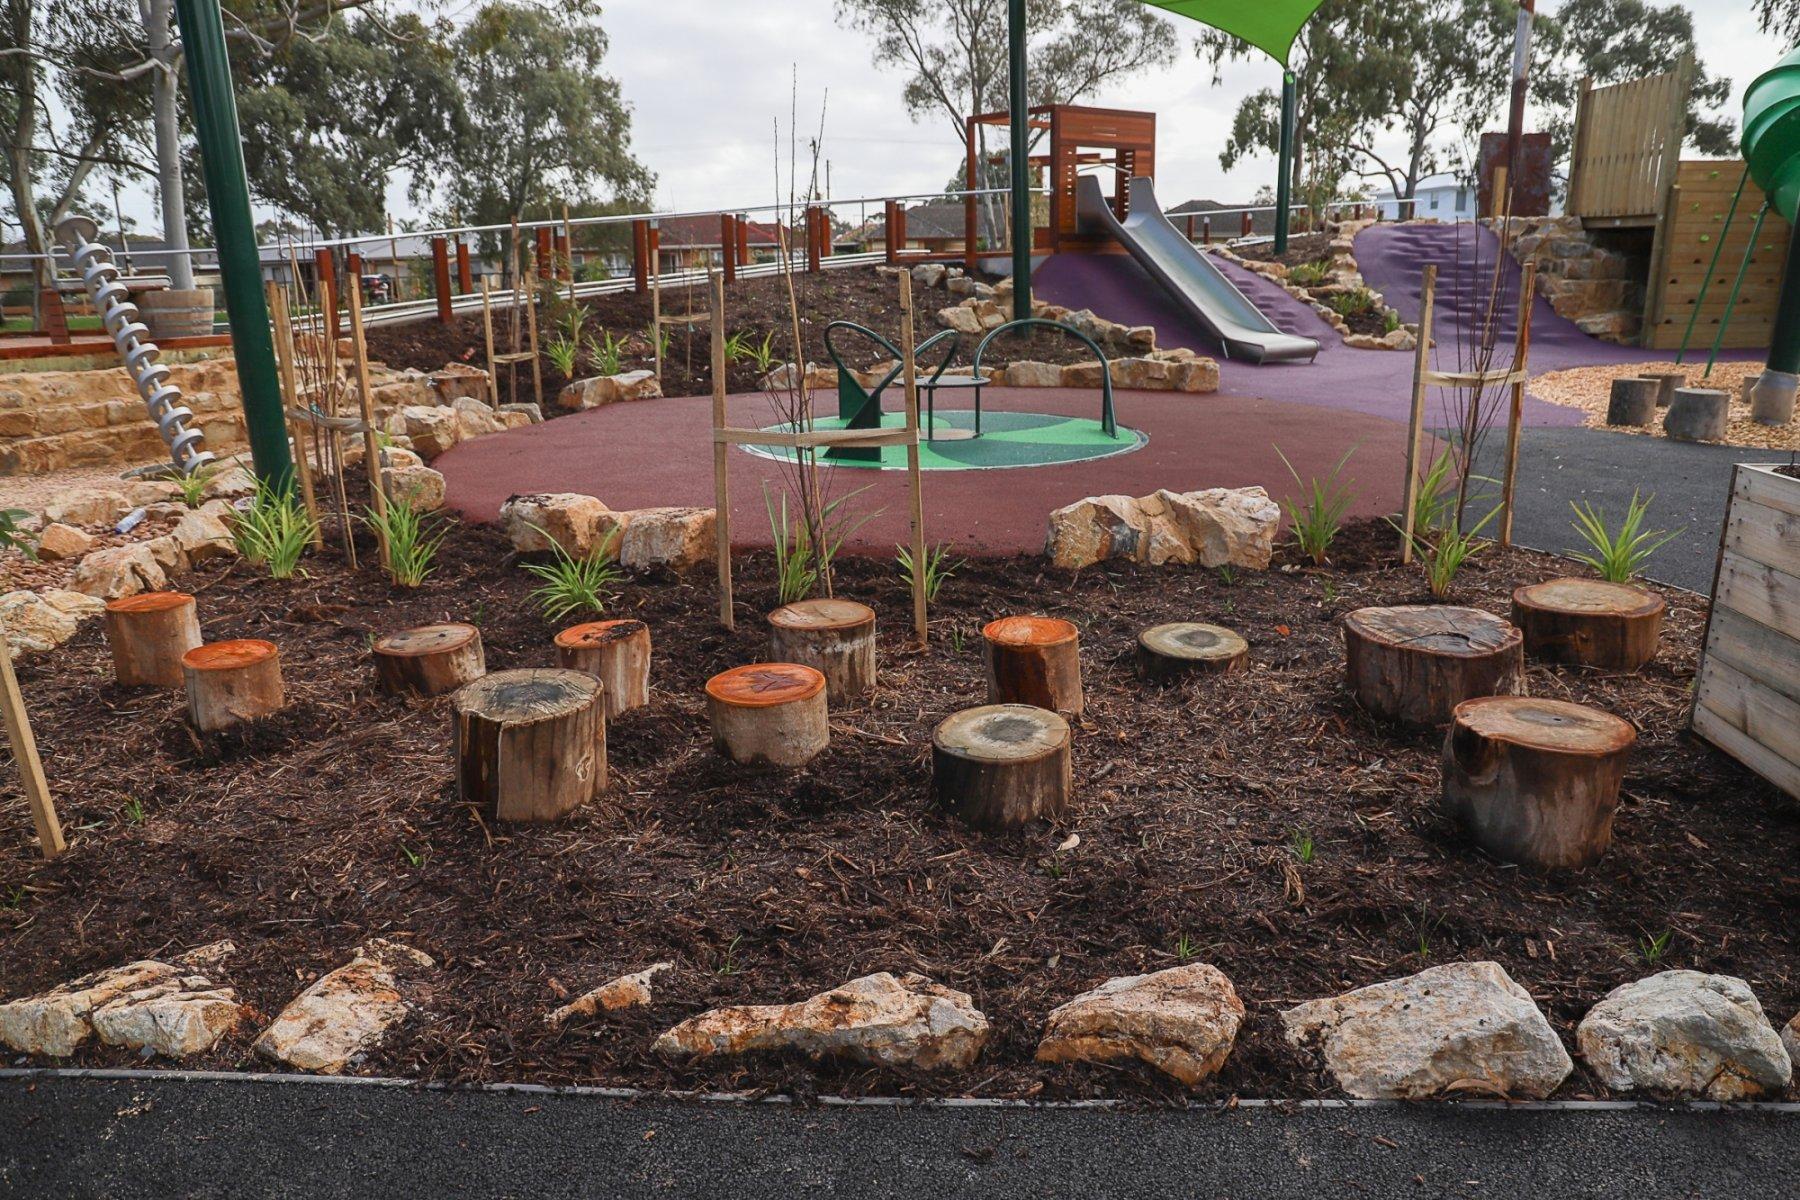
(148, 634)
(1166, 653)
(229, 683)
(430, 659)
(1001, 765)
(769, 712)
(1417, 662)
(835, 637)
(530, 744)
(1589, 622)
(617, 653)
(1035, 661)
(1535, 782)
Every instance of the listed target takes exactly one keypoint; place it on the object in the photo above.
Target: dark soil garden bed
(337, 820)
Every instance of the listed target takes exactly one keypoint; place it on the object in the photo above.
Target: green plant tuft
(938, 568)
(412, 542)
(1618, 556)
(274, 531)
(575, 586)
(1318, 518)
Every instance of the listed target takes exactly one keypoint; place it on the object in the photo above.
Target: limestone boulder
(1462, 1029)
(929, 274)
(609, 389)
(202, 537)
(671, 537)
(517, 416)
(77, 604)
(60, 541)
(1183, 1021)
(1684, 1033)
(33, 625)
(475, 419)
(878, 1020)
(626, 991)
(571, 520)
(961, 318)
(120, 571)
(167, 1008)
(419, 488)
(86, 506)
(1032, 374)
(1212, 528)
(230, 482)
(333, 1024)
(1095, 529)
(458, 381)
(395, 457)
(146, 492)
(432, 429)
(168, 554)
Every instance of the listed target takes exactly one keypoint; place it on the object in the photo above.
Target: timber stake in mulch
(531, 744)
(229, 683)
(429, 660)
(1035, 661)
(148, 634)
(617, 653)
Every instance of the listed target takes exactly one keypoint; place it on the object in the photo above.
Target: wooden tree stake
(835, 637)
(617, 653)
(1589, 622)
(229, 683)
(769, 712)
(429, 660)
(1535, 781)
(1002, 765)
(25, 754)
(148, 634)
(1168, 652)
(1416, 663)
(721, 467)
(1034, 660)
(1415, 425)
(530, 745)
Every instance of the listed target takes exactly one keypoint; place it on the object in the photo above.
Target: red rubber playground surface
(659, 452)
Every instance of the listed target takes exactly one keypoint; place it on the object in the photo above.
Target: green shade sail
(1269, 25)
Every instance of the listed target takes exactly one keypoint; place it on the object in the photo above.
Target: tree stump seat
(148, 634)
(1416, 662)
(769, 713)
(617, 653)
(530, 744)
(229, 683)
(1169, 652)
(1589, 622)
(834, 637)
(1001, 765)
(429, 660)
(1035, 661)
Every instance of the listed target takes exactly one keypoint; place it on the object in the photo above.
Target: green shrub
(1310, 274)
(1352, 303)
(411, 541)
(274, 531)
(562, 354)
(575, 586)
(1619, 556)
(938, 568)
(12, 537)
(1319, 516)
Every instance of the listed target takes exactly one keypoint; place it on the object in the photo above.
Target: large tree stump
(1169, 652)
(1001, 765)
(835, 637)
(1535, 782)
(531, 744)
(232, 682)
(1632, 402)
(617, 653)
(1417, 662)
(148, 633)
(1666, 383)
(1698, 415)
(769, 712)
(1589, 622)
(1036, 661)
(429, 660)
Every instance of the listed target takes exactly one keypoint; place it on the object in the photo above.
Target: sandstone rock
(167, 1008)
(1141, 337)
(609, 389)
(515, 420)
(928, 274)
(59, 541)
(627, 991)
(339, 1019)
(168, 554)
(77, 604)
(1212, 528)
(86, 506)
(230, 482)
(1684, 1033)
(173, 1017)
(878, 1019)
(1033, 374)
(1459, 1029)
(202, 536)
(569, 519)
(475, 419)
(674, 537)
(532, 413)
(151, 491)
(120, 571)
(433, 430)
(1199, 375)
(396, 457)
(960, 318)
(1097, 528)
(1790, 1038)
(457, 380)
(34, 625)
(420, 488)
(1364, 341)
(1182, 1021)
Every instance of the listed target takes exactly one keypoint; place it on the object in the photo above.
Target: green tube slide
(1771, 143)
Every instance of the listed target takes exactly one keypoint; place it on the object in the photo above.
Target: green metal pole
(1786, 308)
(1284, 167)
(1784, 338)
(234, 234)
(1019, 123)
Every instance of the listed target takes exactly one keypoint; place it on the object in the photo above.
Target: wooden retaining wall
(1747, 700)
(1692, 227)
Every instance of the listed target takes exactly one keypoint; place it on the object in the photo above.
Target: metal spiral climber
(131, 338)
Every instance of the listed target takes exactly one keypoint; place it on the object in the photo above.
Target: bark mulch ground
(1259, 822)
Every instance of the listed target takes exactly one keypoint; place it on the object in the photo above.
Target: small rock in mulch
(59, 542)
(880, 1020)
(167, 1008)
(335, 1022)
(627, 991)
(1459, 1028)
(1183, 1021)
(1684, 1033)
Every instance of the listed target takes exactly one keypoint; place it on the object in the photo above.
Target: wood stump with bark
(769, 712)
(1632, 401)
(1417, 662)
(834, 637)
(531, 744)
(1169, 652)
(617, 653)
(1001, 765)
(1589, 622)
(229, 683)
(148, 633)
(1035, 661)
(430, 659)
(1698, 415)
(1533, 781)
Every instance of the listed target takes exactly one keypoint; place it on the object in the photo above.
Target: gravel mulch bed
(1588, 388)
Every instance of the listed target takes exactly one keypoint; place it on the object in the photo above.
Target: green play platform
(1008, 439)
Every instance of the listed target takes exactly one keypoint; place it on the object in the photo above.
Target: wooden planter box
(1747, 699)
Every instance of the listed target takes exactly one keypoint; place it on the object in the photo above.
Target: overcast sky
(707, 80)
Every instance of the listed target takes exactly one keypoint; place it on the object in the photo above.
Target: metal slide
(1188, 274)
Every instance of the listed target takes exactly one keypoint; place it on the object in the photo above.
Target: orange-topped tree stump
(148, 633)
(1536, 782)
(617, 653)
(1417, 662)
(1036, 661)
(769, 712)
(1589, 622)
(430, 659)
(229, 683)
(835, 637)
(531, 744)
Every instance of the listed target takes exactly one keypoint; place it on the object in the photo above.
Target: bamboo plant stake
(909, 369)
(290, 399)
(721, 468)
(487, 328)
(371, 444)
(25, 754)
(1516, 412)
(1415, 425)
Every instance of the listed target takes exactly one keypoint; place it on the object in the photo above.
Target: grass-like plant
(605, 352)
(1390, 321)
(938, 567)
(411, 541)
(763, 353)
(13, 535)
(737, 345)
(274, 531)
(1351, 303)
(796, 571)
(1619, 556)
(1318, 516)
(563, 353)
(1446, 555)
(191, 487)
(1309, 274)
(1653, 948)
(575, 586)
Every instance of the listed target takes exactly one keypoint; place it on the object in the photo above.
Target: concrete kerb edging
(145, 1075)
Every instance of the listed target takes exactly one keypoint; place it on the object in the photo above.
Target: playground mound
(1589, 388)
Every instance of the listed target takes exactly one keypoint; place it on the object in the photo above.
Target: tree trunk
(1168, 652)
(835, 637)
(1535, 782)
(21, 72)
(769, 712)
(1589, 622)
(1001, 765)
(232, 682)
(1416, 663)
(429, 660)
(148, 634)
(165, 120)
(1034, 660)
(617, 653)
(530, 745)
